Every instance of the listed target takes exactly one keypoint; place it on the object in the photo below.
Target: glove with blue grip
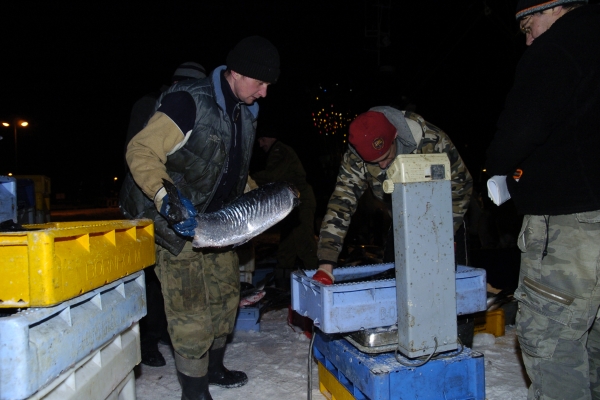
(179, 211)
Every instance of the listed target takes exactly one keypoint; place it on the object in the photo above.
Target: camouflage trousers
(201, 289)
(559, 297)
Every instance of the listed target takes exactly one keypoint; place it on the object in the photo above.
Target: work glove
(323, 276)
(170, 210)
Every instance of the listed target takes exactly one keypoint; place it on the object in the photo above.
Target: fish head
(175, 210)
(196, 242)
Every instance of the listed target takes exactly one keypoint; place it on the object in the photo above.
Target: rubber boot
(151, 356)
(194, 388)
(218, 375)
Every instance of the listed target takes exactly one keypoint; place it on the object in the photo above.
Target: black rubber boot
(193, 388)
(151, 356)
(218, 375)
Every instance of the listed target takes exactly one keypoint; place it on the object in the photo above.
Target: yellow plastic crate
(41, 183)
(491, 322)
(62, 260)
(330, 387)
(42, 201)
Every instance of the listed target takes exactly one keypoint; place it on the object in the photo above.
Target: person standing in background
(297, 236)
(153, 327)
(547, 137)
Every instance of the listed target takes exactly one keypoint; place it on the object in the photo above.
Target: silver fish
(241, 220)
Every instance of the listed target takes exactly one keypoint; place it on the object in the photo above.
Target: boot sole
(229, 386)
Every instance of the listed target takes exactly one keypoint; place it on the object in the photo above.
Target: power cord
(310, 356)
(430, 357)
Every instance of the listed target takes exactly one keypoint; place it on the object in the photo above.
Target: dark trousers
(153, 326)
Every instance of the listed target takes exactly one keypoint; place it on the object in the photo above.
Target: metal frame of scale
(424, 253)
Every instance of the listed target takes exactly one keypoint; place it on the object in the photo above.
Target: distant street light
(16, 122)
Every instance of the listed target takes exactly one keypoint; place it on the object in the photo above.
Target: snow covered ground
(276, 361)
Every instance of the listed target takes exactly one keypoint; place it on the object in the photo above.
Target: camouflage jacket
(355, 176)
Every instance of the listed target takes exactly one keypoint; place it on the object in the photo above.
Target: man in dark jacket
(547, 138)
(297, 232)
(200, 138)
(153, 327)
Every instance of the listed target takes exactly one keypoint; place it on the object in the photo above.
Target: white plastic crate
(125, 390)
(38, 344)
(8, 199)
(105, 374)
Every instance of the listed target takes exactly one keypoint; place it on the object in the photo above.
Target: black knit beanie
(272, 133)
(528, 7)
(255, 57)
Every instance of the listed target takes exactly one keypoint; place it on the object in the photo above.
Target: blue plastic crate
(349, 307)
(259, 274)
(381, 377)
(38, 344)
(8, 199)
(247, 319)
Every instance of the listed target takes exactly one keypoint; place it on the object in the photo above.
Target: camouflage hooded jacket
(355, 176)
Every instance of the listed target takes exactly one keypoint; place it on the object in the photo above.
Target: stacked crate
(70, 303)
(39, 212)
(356, 375)
(8, 199)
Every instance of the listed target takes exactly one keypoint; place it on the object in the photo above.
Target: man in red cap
(376, 138)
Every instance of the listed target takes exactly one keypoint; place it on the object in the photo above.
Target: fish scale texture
(250, 215)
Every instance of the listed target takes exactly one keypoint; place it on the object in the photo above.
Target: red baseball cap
(371, 134)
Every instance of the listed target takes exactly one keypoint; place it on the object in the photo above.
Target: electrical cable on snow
(310, 355)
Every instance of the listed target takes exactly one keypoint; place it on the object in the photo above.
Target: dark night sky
(74, 69)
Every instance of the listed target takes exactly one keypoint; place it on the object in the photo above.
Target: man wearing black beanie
(546, 142)
(200, 138)
(153, 327)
